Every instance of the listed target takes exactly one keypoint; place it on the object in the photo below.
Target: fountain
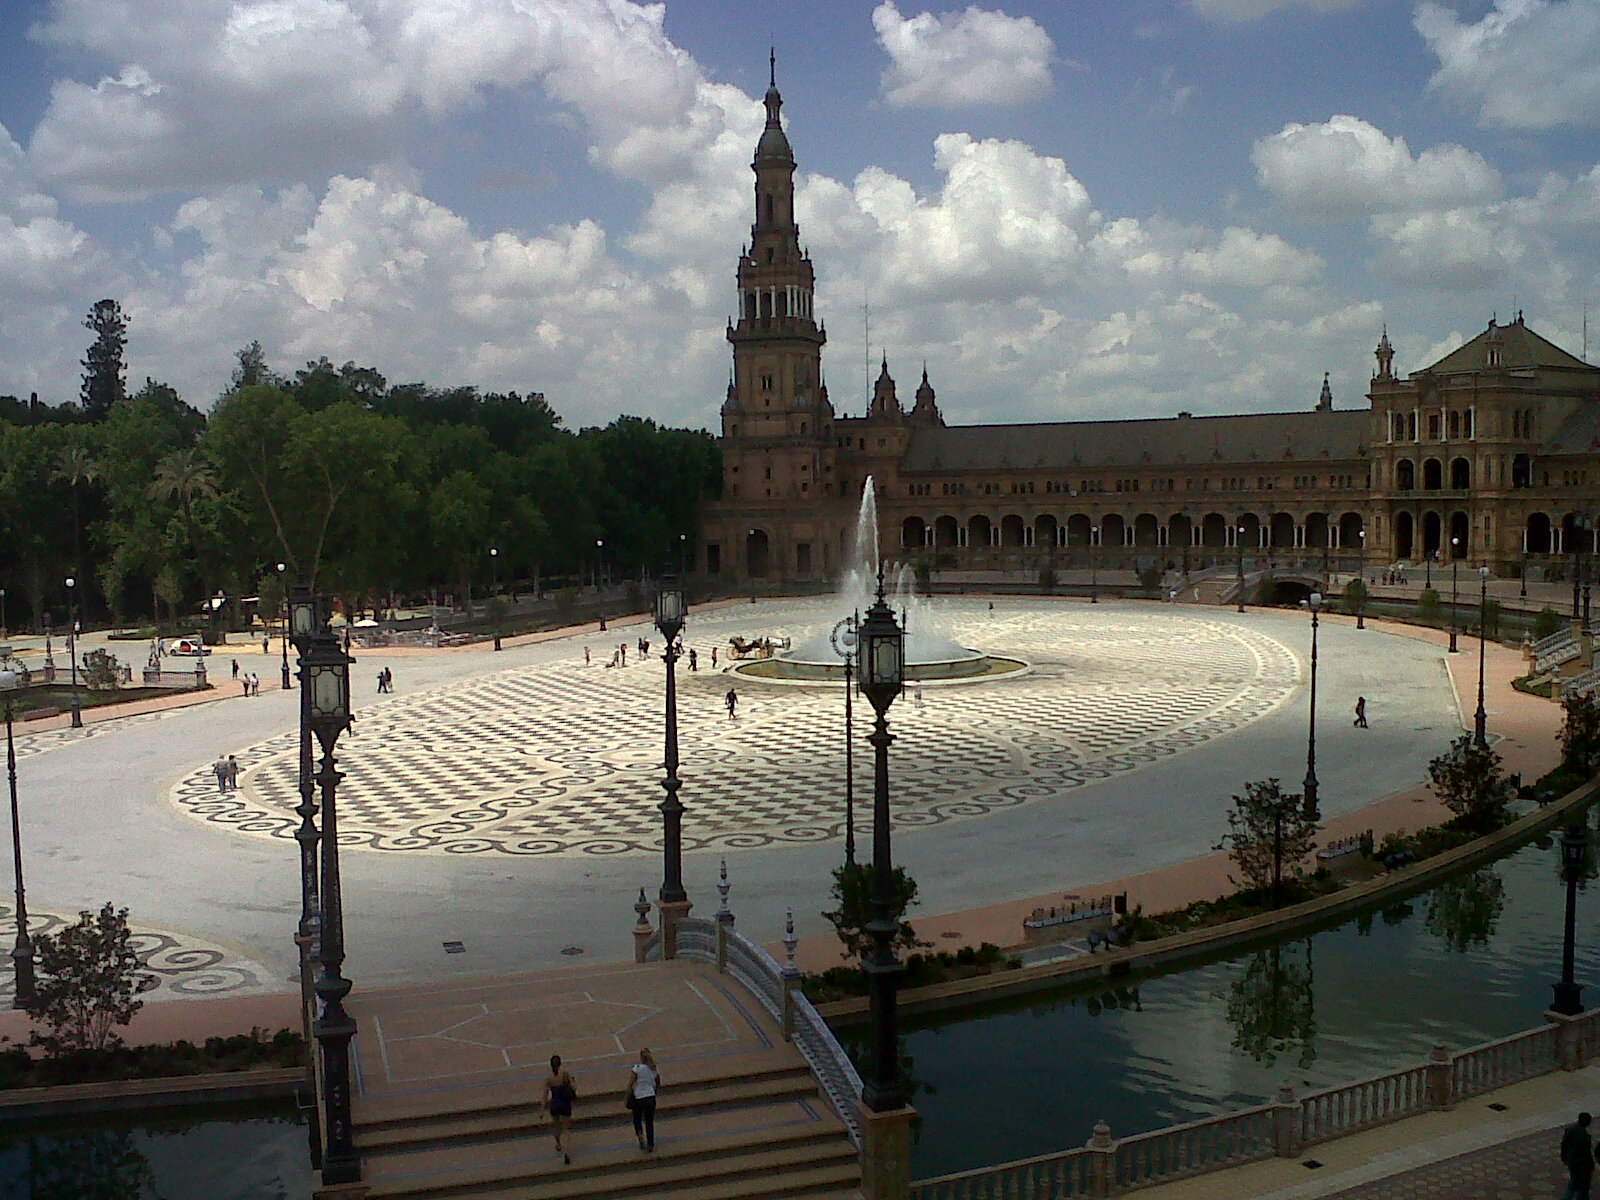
(930, 654)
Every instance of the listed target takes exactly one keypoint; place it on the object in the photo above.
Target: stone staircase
(740, 1115)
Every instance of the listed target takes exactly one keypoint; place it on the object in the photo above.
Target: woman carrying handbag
(643, 1082)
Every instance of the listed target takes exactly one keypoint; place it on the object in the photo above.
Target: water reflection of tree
(95, 1164)
(1463, 911)
(1272, 1007)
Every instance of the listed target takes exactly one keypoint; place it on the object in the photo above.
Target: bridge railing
(1108, 1167)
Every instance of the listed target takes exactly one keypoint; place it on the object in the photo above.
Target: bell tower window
(766, 381)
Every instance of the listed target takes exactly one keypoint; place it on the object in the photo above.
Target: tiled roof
(1519, 347)
(1256, 438)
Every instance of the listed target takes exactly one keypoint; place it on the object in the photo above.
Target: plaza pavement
(96, 826)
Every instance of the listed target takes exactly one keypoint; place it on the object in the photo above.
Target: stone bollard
(1103, 1160)
(1440, 1090)
(641, 928)
(1286, 1123)
(791, 975)
(885, 1152)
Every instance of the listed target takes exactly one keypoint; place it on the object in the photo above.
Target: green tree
(1268, 834)
(103, 368)
(852, 898)
(1580, 733)
(252, 369)
(1356, 596)
(1468, 781)
(1545, 623)
(187, 477)
(88, 976)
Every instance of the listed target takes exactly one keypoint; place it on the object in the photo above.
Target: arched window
(769, 213)
(1432, 475)
(1405, 475)
(1460, 474)
(1455, 423)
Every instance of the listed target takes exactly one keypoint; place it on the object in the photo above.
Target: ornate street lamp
(72, 649)
(283, 601)
(494, 570)
(1188, 539)
(1239, 539)
(844, 641)
(1427, 569)
(22, 952)
(671, 610)
(325, 680)
(1361, 613)
(1574, 851)
(1454, 543)
(1094, 564)
(882, 649)
(1314, 603)
(1480, 720)
(599, 575)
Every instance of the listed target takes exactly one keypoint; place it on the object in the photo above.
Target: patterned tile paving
(559, 758)
(1525, 1168)
(183, 967)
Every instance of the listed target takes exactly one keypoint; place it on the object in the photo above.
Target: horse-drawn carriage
(762, 647)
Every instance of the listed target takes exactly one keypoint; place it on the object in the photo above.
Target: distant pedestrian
(586, 656)
(244, 685)
(381, 683)
(233, 773)
(732, 701)
(236, 668)
(1361, 713)
(694, 660)
(623, 650)
(220, 770)
(1577, 1155)
(388, 680)
(644, 1081)
(713, 658)
(916, 695)
(559, 1093)
(266, 644)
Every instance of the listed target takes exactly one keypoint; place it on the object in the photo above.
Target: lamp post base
(672, 912)
(1567, 1000)
(1453, 642)
(885, 1152)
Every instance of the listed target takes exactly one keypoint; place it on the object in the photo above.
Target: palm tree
(186, 476)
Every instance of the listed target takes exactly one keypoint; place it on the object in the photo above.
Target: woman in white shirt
(643, 1082)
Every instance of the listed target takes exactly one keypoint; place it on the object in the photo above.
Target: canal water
(231, 1152)
(1471, 961)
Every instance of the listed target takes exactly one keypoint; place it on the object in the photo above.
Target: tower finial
(772, 64)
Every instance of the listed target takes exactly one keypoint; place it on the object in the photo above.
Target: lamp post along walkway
(1311, 810)
(22, 951)
(844, 641)
(325, 679)
(885, 1115)
(1480, 719)
(671, 611)
(1574, 855)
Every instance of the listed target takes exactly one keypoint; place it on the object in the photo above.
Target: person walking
(694, 660)
(236, 668)
(732, 701)
(644, 1081)
(559, 1093)
(220, 770)
(1361, 713)
(586, 656)
(233, 773)
(713, 658)
(1577, 1155)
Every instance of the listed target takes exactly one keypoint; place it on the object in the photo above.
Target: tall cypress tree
(103, 368)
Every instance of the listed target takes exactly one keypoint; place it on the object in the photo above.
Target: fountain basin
(974, 667)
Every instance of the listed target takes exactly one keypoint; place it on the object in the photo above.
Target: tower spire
(772, 64)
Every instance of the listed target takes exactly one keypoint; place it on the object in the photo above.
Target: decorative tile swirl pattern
(565, 759)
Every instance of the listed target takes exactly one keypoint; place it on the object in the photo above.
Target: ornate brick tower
(777, 424)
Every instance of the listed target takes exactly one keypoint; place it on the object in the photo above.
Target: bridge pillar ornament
(886, 1152)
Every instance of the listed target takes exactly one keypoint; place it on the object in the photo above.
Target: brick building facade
(1492, 454)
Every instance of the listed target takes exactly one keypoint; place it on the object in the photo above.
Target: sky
(1068, 209)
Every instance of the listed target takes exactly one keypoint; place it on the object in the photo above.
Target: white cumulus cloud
(977, 56)
(1347, 167)
(1526, 64)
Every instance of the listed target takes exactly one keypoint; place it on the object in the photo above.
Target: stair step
(753, 1159)
(528, 1119)
(397, 1109)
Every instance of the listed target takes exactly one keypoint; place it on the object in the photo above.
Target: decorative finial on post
(772, 63)
(880, 581)
(790, 941)
(642, 932)
(724, 914)
(642, 907)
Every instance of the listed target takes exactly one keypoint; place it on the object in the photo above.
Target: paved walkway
(1499, 1146)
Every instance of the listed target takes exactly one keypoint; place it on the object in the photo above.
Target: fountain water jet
(930, 654)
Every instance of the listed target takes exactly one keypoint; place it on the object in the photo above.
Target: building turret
(1385, 355)
(926, 410)
(885, 405)
(1325, 400)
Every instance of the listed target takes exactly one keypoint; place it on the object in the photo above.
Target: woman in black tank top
(559, 1093)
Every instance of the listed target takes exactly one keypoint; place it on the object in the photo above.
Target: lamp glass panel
(303, 615)
(328, 693)
(886, 666)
